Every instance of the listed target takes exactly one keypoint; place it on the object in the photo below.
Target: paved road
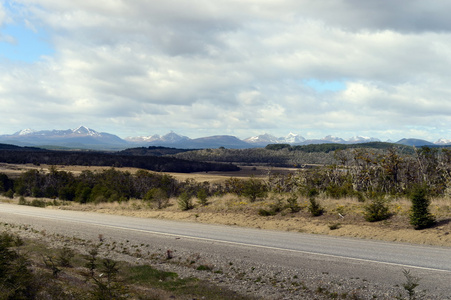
(376, 261)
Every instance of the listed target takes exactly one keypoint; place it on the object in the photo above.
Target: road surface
(376, 261)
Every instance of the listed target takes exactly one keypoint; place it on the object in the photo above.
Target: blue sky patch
(19, 43)
(325, 86)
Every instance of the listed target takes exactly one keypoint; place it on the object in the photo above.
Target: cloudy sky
(378, 68)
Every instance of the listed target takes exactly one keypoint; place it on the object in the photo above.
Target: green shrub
(202, 197)
(315, 208)
(411, 283)
(420, 217)
(334, 226)
(38, 203)
(185, 201)
(108, 286)
(338, 191)
(254, 189)
(157, 196)
(360, 196)
(292, 204)
(266, 212)
(16, 279)
(312, 192)
(23, 201)
(376, 210)
(65, 256)
(9, 194)
(274, 208)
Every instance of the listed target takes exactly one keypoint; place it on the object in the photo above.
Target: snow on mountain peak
(173, 137)
(263, 138)
(362, 139)
(83, 130)
(293, 138)
(25, 131)
(443, 141)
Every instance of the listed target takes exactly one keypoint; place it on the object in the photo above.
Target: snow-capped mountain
(443, 142)
(293, 138)
(25, 132)
(263, 139)
(173, 137)
(296, 139)
(170, 138)
(175, 140)
(143, 139)
(84, 137)
(267, 138)
(81, 136)
(82, 130)
(362, 139)
(333, 139)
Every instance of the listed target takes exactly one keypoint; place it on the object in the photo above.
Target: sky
(374, 68)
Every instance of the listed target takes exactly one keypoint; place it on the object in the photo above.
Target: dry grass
(348, 212)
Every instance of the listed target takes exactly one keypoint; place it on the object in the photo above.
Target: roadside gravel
(256, 280)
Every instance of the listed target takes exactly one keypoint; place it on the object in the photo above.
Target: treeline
(362, 173)
(152, 151)
(331, 147)
(285, 155)
(260, 156)
(107, 186)
(370, 172)
(113, 185)
(154, 163)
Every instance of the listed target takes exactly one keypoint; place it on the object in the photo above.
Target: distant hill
(414, 142)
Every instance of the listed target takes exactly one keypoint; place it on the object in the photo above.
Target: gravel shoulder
(237, 272)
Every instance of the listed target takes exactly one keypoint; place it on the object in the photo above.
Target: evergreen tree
(420, 217)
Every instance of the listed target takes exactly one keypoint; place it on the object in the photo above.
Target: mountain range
(86, 138)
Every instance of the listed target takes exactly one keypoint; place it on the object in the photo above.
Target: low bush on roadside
(315, 208)
(292, 204)
(185, 201)
(273, 209)
(16, 279)
(157, 196)
(376, 210)
(202, 197)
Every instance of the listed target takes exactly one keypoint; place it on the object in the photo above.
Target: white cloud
(234, 67)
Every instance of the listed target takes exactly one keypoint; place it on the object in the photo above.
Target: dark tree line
(107, 186)
(154, 163)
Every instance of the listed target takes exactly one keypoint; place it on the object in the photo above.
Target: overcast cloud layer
(374, 68)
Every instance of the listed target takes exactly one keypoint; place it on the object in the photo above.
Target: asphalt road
(380, 262)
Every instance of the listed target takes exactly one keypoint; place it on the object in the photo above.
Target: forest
(24, 155)
(355, 172)
(285, 155)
